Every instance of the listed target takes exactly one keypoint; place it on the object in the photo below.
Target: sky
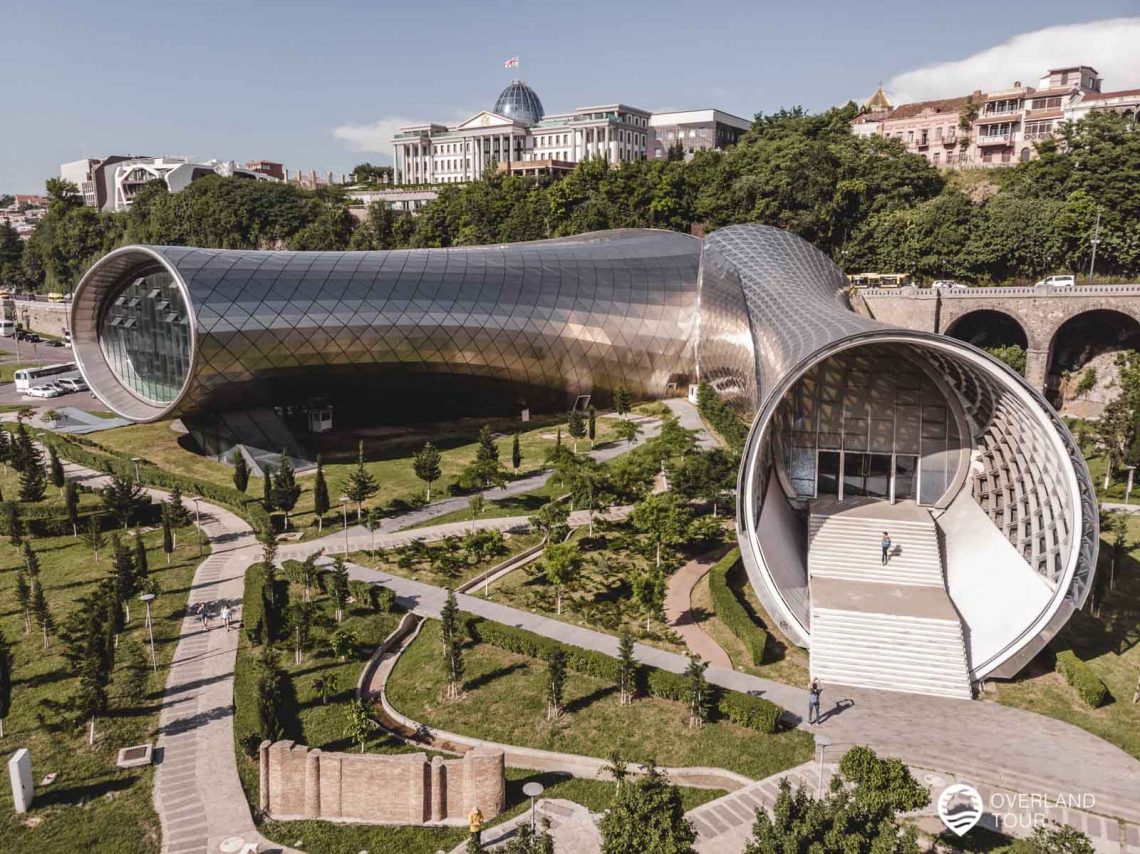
(322, 85)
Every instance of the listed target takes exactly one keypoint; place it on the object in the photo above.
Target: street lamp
(148, 598)
(136, 461)
(532, 791)
(1128, 489)
(197, 521)
(822, 742)
(344, 508)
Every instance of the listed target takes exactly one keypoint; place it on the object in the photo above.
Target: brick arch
(1126, 311)
(952, 311)
(949, 327)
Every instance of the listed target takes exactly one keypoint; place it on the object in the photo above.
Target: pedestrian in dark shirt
(886, 547)
(814, 692)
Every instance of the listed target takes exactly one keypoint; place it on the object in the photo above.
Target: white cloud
(374, 137)
(1109, 46)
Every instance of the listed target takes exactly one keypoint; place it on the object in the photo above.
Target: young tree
(622, 401)
(662, 519)
(647, 815)
(142, 579)
(555, 683)
(176, 511)
(426, 465)
(286, 490)
(301, 628)
(576, 426)
(343, 642)
(5, 681)
(55, 469)
(361, 485)
(33, 480)
(360, 724)
(133, 673)
(326, 685)
(627, 431)
(591, 424)
(649, 593)
(13, 524)
(23, 448)
(71, 504)
(93, 537)
(31, 561)
(698, 693)
(309, 572)
(24, 598)
(41, 613)
(373, 519)
(122, 575)
(449, 618)
(270, 689)
(85, 635)
(339, 585)
(487, 450)
(561, 564)
(5, 450)
(627, 668)
(267, 489)
(122, 497)
(516, 453)
(167, 536)
(552, 519)
(476, 504)
(321, 502)
(241, 470)
(617, 768)
(453, 662)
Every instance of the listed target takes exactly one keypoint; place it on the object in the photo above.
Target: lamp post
(1128, 488)
(136, 461)
(344, 509)
(197, 521)
(532, 791)
(148, 598)
(822, 742)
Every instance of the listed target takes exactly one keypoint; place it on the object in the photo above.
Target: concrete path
(573, 828)
(679, 608)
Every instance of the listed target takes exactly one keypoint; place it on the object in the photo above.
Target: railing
(994, 138)
(911, 292)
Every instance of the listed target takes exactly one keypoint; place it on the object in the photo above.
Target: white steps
(887, 627)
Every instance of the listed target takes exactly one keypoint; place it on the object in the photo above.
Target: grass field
(388, 458)
(785, 662)
(91, 806)
(504, 702)
(1110, 644)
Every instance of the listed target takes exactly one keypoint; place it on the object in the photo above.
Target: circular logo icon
(960, 807)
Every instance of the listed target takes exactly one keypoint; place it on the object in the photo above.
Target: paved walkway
(679, 608)
(573, 828)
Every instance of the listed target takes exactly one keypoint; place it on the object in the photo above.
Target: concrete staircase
(889, 627)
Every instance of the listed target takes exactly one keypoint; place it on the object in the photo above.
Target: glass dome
(519, 101)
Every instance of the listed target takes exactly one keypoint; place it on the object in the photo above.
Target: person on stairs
(886, 544)
(814, 693)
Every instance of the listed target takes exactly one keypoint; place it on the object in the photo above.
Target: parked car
(1057, 282)
(54, 342)
(70, 385)
(30, 337)
(45, 390)
(945, 284)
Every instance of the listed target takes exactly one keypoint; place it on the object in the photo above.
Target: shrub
(743, 709)
(253, 604)
(721, 416)
(731, 611)
(1083, 678)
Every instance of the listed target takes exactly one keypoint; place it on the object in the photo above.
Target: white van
(7, 328)
(1057, 282)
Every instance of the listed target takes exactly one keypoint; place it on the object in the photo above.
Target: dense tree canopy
(866, 201)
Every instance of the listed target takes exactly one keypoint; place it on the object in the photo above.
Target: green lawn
(1110, 644)
(448, 562)
(92, 806)
(504, 702)
(784, 661)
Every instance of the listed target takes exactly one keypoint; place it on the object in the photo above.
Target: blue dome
(519, 101)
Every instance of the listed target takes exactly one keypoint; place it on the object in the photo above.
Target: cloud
(1109, 46)
(374, 137)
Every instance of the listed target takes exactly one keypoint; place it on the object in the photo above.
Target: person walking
(814, 692)
(204, 614)
(226, 616)
(886, 544)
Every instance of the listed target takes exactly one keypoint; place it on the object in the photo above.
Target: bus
(55, 296)
(7, 328)
(26, 378)
(880, 280)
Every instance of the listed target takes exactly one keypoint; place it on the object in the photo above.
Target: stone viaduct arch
(1041, 312)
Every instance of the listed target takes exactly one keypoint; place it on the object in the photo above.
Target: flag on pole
(513, 62)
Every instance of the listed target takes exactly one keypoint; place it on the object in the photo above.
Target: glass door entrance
(906, 477)
(853, 474)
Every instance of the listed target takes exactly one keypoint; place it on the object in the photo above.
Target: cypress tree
(33, 479)
(487, 451)
(55, 469)
(361, 484)
(592, 424)
(267, 489)
(41, 612)
(627, 667)
(31, 562)
(241, 470)
(576, 426)
(321, 502)
(516, 453)
(71, 503)
(167, 536)
(5, 449)
(286, 490)
(24, 598)
(142, 568)
(13, 524)
(5, 681)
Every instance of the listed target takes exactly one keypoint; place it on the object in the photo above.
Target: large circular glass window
(145, 336)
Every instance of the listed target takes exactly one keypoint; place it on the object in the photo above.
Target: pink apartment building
(992, 128)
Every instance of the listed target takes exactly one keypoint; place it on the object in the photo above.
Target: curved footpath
(679, 608)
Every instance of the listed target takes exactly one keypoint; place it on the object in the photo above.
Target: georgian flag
(513, 62)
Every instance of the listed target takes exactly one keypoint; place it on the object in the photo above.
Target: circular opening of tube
(145, 336)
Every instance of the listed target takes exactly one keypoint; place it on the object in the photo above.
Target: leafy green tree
(576, 426)
(55, 470)
(360, 725)
(561, 565)
(1012, 354)
(528, 841)
(516, 453)
(241, 470)
(321, 503)
(647, 815)
(361, 485)
(426, 465)
(662, 519)
(697, 691)
(627, 431)
(301, 628)
(449, 627)
(704, 476)
(555, 683)
(5, 681)
(339, 585)
(1054, 839)
(176, 511)
(648, 590)
(487, 450)
(622, 401)
(627, 668)
(286, 490)
(309, 572)
(326, 685)
(122, 497)
(71, 505)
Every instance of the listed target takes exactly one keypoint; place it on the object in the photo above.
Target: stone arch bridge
(1040, 312)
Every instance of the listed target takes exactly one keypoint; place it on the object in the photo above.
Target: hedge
(721, 416)
(253, 603)
(743, 709)
(1083, 678)
(94, 456)
(731, 611)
